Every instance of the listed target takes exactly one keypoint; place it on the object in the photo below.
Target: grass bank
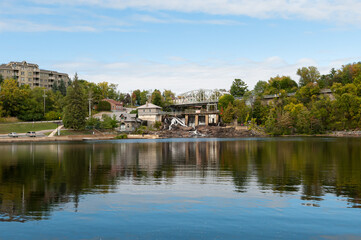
(25, 127)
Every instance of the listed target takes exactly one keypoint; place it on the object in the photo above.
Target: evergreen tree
(62, 87)
(55, 87)
(75, 111)
(238, 88)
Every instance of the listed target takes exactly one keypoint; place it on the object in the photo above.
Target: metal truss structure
(200, 96)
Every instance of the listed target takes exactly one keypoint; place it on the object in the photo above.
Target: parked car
(31, 134)
(13, 134)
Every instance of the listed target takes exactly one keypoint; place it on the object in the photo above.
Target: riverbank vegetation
(303, 108)
(280, 105)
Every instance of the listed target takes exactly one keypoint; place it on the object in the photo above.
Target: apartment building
(30, 74)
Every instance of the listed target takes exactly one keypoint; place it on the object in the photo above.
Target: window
(22, 73)
(29, 79)
(22, 79)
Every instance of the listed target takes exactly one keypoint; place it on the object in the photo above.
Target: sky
(179, 44)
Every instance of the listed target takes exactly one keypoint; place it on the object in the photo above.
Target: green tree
(168, 97)
(75, 111)
(238, 88)
(143, 97)
(225, 100)
(228, 114)
(1, 79)
(13, 97)
(308, 75)
(157, 98)
(62, 87)
(55, 87)
(259, 88)
(104, 106)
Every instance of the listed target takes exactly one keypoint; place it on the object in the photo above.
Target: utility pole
(44, 96)
(90, 104)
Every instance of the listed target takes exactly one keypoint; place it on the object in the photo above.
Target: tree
(75, 111)
(104, 106)
(157, 98)
(143, 97)
(259, 88)
(55, 87)
(308, 75)
(225, 100)
(168, 97)
(1, 79)
(238, 88)
(62, 87)
(228, 114)
(13, 97)
(136, 97)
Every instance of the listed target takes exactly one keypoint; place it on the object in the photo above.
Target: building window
(29, 79)
(22, 79)
(22, 73)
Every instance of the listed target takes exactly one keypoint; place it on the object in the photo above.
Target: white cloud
(182, 75)
(340, 11)
(28, 26)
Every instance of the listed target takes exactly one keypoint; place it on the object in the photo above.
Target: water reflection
(36, 179)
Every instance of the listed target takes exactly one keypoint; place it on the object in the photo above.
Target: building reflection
(35, 179)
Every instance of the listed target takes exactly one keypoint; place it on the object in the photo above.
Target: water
(270, 188)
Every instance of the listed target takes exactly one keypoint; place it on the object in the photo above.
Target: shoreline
(84, 138)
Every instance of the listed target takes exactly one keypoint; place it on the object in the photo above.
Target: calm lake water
(270, 188)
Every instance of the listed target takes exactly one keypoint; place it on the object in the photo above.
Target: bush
(103, 106)
(52, 115)
(122, 136)
(93, 123)
(157, 124)
(108, 122)
(141, 130)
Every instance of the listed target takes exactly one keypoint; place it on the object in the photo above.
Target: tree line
(298, 108)
(69, 103)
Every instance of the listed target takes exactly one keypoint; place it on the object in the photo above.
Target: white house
(150, 113)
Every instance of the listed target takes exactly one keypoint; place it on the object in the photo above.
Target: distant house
(127, 122)
(149, 112)
(115, 106)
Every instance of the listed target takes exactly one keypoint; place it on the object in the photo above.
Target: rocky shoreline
(208, 132)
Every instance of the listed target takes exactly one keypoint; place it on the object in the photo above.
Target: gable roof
(148, 106)
(113, 102)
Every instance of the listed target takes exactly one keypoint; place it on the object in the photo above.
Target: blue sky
(177, 44)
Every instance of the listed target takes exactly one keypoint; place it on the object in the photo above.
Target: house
(127, 122)
(115, 106)
(150, 113)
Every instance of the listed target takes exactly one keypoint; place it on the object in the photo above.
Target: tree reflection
(36, 179)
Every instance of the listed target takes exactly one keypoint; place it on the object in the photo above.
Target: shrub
(122, 136)
(108, 122)
(103, 106)
(141, 130)
(93, 123)
(52, 115)
(157, 124)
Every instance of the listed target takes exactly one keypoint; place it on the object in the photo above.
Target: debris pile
(179, 131)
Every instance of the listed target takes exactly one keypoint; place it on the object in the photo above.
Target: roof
(148, 106)
(113, 102)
